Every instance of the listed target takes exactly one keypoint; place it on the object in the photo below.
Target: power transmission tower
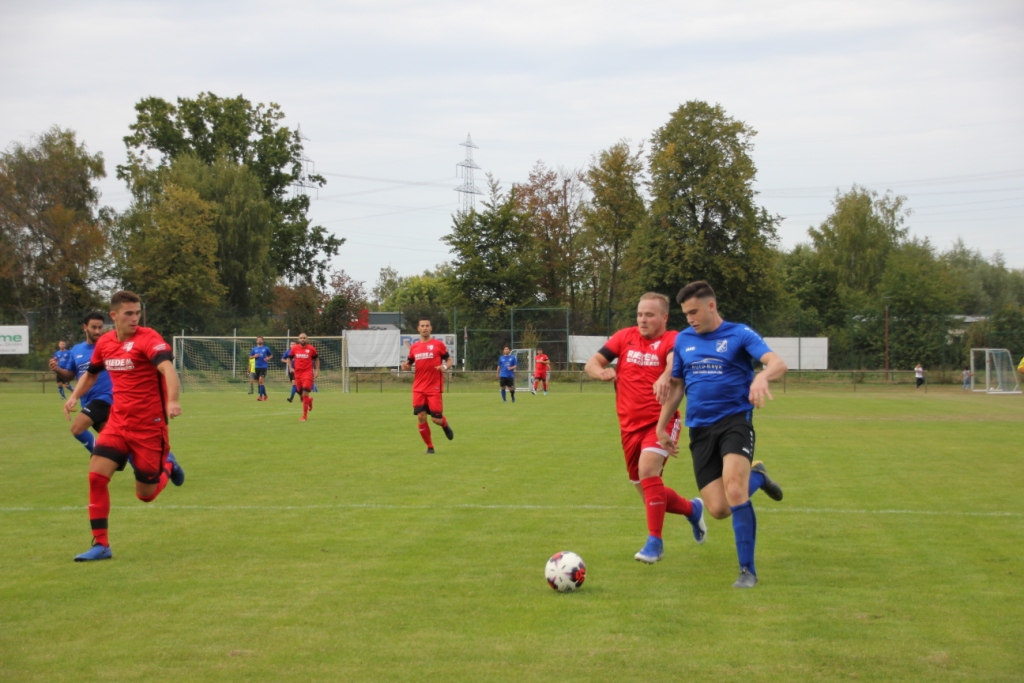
(468, 189)
(302, 184)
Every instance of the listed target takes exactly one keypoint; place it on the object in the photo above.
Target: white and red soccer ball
(565, 571)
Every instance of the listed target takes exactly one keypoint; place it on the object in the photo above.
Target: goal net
(524, 368)
(223, 362)
(993, 372)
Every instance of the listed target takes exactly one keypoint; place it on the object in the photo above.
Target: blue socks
(294, 391)
(87, 439)
(503, 393)
(60, 388)
(744, 527)
(756, 482)
(263, 390)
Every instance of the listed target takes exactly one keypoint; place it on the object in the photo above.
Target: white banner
(13, 339)
(372, 348)
(801, 353)
(581, 348)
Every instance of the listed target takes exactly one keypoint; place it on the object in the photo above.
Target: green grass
(336, 551)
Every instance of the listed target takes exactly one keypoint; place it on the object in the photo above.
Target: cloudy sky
(924, 98)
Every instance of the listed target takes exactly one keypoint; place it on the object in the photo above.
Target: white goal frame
(524, 370)
(204, 361)
(999, 372)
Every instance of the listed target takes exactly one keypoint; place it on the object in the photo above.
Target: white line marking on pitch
(472, 506)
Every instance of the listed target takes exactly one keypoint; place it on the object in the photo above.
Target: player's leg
(436, 405)
(154, 465)
(501, 386)
(80, 430)
(111, 455)
(423, 426)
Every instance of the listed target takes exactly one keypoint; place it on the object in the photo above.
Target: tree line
(217, 237)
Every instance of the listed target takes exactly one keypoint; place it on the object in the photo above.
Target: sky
(923, 98)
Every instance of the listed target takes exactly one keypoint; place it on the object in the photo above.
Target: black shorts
(259, 372)
(509, 382)
(291, 376)
(709, 445)
(99, 412)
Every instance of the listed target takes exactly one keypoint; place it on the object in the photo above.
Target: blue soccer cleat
(177, 474)
(696, 519)
(96, 552)
(652, 551)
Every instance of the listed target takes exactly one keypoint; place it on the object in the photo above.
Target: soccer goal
(993, 372)
(223, 362)
(524, 368)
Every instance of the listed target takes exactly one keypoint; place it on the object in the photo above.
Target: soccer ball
(565, 571)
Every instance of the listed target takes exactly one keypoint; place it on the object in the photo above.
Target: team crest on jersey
(656, 344)
(128, 346)
(722, 345)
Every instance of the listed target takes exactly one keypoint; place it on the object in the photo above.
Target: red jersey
(302, 358)
(139, 389)
(641, 362)
(541, 365)
(425, 356)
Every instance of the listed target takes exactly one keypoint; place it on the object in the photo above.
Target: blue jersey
(78, 360)
(507, 365)
(262, 354)
(717, 369)
(63, 358)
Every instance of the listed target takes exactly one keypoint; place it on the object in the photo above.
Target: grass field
(336, 551)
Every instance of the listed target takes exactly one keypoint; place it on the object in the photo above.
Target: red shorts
(148, 450)
(304, 381)
(542, 376)
(427, 403)
(646, 439)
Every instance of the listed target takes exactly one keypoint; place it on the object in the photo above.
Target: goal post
(524, 368)
(210, 363)
(993, 372)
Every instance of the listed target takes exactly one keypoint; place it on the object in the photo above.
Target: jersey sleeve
(97, 362)
(613, 347)
(754, 344)
(157, 350)
(67, 362)
(678, 366)
(444, 351)
(315, 353)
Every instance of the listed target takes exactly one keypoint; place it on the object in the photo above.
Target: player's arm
(166, 368)
(316, 367)
(63, 374)
(599, 367)
(82, 387)
(669, 406)
(664, 382)
(443, 367)
(774, 368)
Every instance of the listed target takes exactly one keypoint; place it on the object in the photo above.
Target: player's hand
(758, 391)
(173, 409)
(442, 368)
(670, 446)
(53, 364)
(406, 367)
(662, 388)
(69, 407)
(608, 375)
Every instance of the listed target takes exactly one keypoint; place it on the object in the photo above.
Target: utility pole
(468, 189)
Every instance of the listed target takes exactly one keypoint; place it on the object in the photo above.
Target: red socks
(425, 434)
(99, 506)
(305, 406)
(659, 499)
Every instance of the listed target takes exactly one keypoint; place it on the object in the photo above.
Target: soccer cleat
(700, 529)
(746, 579)
(430, 451)
(770, 486)
(302, 419)
(448, 432)
(96, 552)
(290, 398)
(177, 474)
(533, 391)
(652, 550)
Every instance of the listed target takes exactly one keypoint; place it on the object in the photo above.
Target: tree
(494, 266)
(704, 224)
(52, 234)
(212, 128)
(171, 261)
(347, 306)
(428, 295)
(612, 218)
(387, 284)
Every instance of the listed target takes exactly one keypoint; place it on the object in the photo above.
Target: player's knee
(146, 497)
(718, 510)
(736, 492)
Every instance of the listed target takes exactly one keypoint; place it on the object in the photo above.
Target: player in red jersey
(304, 361)
(542, 366)
(641, 382)
(430, 358)
(141, 368)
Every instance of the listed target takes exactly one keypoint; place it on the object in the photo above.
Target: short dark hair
(93, 315)
(695, 290)
(124, 297)
(422, 319)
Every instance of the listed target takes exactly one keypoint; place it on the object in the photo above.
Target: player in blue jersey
(262, 355)
(506, 373)
(291, 374)
(97, 401)
(714, 366)
(60, 359)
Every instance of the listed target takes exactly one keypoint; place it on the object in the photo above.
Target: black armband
(162, 356)
(96, 368)
(607, 353)
(445, 356)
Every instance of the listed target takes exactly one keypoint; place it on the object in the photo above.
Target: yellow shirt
(252, 365)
